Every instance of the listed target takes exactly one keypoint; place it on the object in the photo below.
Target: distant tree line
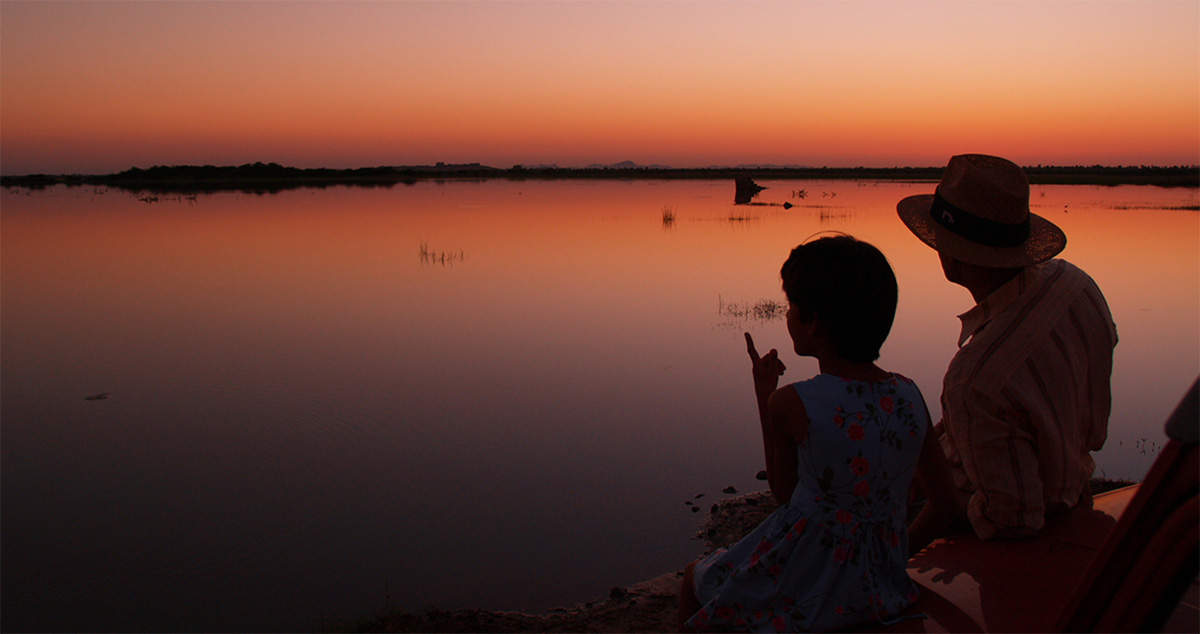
(1175, 176)
(272, 177)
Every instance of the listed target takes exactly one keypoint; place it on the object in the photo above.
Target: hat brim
(1045, 241)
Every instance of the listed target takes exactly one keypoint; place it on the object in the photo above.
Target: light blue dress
(836, 554)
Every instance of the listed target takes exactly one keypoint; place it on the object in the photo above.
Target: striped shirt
(1027, 398)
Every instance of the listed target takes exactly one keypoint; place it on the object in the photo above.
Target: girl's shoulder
(900, 379)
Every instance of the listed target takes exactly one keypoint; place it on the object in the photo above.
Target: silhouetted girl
(841, 451)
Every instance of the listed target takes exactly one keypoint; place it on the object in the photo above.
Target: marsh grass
(668, 217)
(737, 314)
(431, 257)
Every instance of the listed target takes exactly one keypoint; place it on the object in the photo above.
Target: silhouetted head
(850, 286)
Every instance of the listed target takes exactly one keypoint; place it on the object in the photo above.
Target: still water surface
(467, 394)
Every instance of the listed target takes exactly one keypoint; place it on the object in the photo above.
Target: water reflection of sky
(490, 394)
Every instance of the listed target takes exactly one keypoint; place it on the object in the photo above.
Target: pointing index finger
(750, 347)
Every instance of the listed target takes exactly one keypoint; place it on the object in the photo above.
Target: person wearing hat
(1026, 398)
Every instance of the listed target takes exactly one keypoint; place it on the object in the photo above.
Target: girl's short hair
(849, 284)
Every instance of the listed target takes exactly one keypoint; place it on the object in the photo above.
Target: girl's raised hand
(766, 369)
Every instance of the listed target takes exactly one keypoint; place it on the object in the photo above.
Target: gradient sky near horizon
(98, 87)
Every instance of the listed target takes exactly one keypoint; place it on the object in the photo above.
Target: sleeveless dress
(836, 554)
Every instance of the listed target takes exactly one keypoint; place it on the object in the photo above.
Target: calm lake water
(488, 394)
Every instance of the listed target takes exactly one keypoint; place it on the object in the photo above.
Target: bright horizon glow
(99, 87)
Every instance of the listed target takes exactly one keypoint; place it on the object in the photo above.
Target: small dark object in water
(698, 496)
(695, 509)
(97, 397)
(729, 489)
(745, 190)
(761, 475)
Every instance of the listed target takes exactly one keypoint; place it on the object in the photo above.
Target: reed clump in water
(444, 258)
(668, 216)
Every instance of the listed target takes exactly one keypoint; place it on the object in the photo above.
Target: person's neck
(986, 281)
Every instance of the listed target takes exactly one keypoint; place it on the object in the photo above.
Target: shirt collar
(975, 319)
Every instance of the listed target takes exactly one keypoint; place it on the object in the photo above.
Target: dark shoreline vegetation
(272, 177)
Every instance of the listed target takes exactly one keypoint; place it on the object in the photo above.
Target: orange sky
(97, 87)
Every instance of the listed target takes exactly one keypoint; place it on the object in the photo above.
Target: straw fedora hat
(979, 214)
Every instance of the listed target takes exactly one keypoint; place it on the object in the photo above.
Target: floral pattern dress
(836, 554)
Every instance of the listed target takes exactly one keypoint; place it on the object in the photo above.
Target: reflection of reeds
(668, 217)
(829, 215)
(444, 258)
(148, 199)
(738, 313)
(742, 215)
(1142, 447)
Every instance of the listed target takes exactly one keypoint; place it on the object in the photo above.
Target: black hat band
(976, 229)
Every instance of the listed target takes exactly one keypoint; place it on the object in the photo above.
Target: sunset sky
(98, 87)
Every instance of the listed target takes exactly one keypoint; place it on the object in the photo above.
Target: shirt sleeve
(999, 454)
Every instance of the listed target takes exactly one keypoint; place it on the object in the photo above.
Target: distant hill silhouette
(626, 165)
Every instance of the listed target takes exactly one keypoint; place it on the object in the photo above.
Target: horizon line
(621, 165)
